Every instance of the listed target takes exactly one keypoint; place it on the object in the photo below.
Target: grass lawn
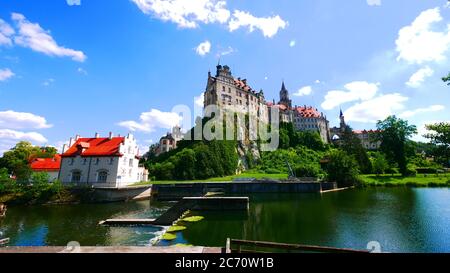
(421, 180)
(221, 179)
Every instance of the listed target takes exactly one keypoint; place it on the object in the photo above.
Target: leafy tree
(185, 165)
(440, 137)
(447, 79)
(379, 163)
(17, 159)
(308, 170)
(309, 139)
(394, 134)
(351, 144)
(342, 168)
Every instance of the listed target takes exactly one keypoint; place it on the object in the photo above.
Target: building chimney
(64, 148)
(110, 135)
(97, 135)
(77, 137)
(70, 142)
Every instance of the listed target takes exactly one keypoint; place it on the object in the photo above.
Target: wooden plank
(297, 247)
(127, 222)
(4, 242)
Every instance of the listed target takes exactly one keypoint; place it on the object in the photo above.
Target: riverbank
(421, 180)
(247, 175)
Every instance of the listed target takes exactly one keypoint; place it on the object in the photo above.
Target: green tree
(440, 137)
(379, 163)
(342, 168)
(394, 134)
(185, 165)
(447, 79)
(351, 144)
(18, 158)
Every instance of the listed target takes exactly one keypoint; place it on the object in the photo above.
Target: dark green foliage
(351, 144)
(342, 168)
(276, 161)
(16, 161)
(379, 163)
(394, 134)
(440, 137)
(197, 160)
(447, 79)
(308, 170)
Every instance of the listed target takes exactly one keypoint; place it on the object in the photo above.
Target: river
(398, 219)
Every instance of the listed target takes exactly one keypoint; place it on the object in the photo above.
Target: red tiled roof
(280, 106)
(360, 132)
(308, 112)
(46, 164)
(95, 147)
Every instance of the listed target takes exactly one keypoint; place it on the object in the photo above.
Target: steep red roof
(308, 112)
(360, 132)
(95, 147)
(46, 164)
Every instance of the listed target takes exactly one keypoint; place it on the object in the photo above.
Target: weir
(182, 206)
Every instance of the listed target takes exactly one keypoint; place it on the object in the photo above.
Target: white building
(50, 166)
(111, 162)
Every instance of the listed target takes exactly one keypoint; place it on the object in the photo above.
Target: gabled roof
(46, 164)
(308, 112)
(95, 147)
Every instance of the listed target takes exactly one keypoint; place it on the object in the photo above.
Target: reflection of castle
(367, 137)
(227, 92)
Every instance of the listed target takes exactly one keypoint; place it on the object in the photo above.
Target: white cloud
(82, 71)
(48, 82)
(203, 48)
(6, 31)
(186, 13)
(419, 77)
(31, 35)
(190, 13)
(304, 91)
(227, 51)
(358, 90)
(18, 120)
(199, 101)
(292, 43)
(370, 111)
(7, 134)
(74, 2)
(269, 26)
(374, 2)
(150, 121)
(417, 43)
(432, 108)
(5, 74)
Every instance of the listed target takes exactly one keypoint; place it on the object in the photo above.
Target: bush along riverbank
(424, 180)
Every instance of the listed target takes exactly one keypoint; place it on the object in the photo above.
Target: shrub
(411, 172)
(343, 169)
(428, 170)
(273, 171)
(307, 170)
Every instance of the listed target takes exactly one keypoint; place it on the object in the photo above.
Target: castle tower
(284, 97)
(342, 124)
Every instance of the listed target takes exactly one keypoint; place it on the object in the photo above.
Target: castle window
(111, 160)
(131, 163)
(223, 88)
(97, 161)
(84, 161)
(102, 176)
(76, 176)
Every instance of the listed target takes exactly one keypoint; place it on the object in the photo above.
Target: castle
(235, 94)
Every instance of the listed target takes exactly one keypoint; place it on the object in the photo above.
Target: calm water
(401, 220)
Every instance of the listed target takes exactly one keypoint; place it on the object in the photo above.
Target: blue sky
(72, 67)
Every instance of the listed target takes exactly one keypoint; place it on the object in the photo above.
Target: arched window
(102, 176)
(76, 176)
